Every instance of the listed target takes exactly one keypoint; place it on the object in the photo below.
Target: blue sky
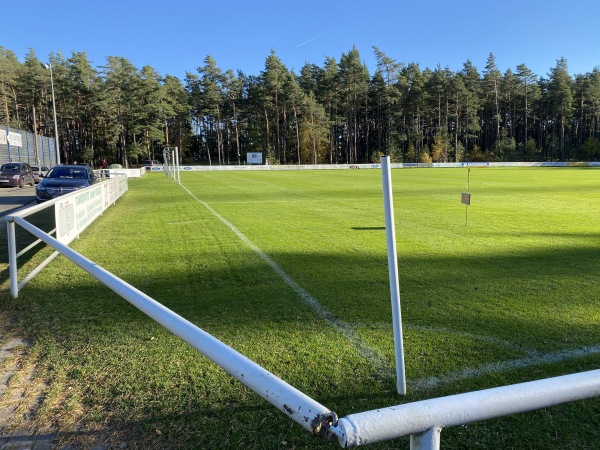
(175, 36)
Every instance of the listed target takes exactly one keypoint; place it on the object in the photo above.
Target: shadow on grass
(44, 220)
(545, 300)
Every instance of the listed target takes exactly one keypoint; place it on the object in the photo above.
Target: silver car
(16, 174)
(39, 172)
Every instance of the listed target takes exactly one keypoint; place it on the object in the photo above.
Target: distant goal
(171, 163)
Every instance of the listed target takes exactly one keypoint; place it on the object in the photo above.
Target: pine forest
(335, 113)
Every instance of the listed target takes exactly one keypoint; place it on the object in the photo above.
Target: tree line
(334, 113)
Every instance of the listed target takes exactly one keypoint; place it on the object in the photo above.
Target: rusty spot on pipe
(322, 424)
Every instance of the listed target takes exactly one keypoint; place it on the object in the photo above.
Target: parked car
(61, 180)
(16, 174)
(112, 167)
(39, 172)
(152, 163)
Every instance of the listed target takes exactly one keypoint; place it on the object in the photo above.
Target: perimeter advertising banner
(15, 139)
(254, 158)
(74, 212)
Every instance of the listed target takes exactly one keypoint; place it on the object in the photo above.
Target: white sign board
(254, 158)
(15, 139)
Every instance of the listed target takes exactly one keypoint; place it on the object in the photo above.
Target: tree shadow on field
(44, 220)
(545, 292)
(546, 300)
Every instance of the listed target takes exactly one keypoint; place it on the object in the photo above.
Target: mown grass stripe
(344, 328)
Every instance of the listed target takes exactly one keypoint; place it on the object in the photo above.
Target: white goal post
(171, 163)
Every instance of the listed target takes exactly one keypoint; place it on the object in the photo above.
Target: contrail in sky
(311, 39)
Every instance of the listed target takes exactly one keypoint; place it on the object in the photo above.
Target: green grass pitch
(511, 295)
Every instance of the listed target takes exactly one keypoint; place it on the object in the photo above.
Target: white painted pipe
(390, 234)
(12, 259)
(419, 417)
(298, 406)
(428, 440)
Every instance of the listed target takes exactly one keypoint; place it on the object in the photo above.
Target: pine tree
(561, 99)
(472, 82)
(273, 79)
(329, 95)
(116, 104)
(81, 88)
(491, 81)
(10, 69)
(314, 128)
(233, 92)
(354, 80)
(390, 96)
(212, 100)
(527, 91)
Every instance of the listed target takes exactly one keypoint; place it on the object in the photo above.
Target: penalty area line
(499, 367)
(344, 328)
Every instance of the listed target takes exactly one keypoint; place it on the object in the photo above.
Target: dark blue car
(61, 180)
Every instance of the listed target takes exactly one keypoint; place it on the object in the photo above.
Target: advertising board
(254, 158)
(76, 211)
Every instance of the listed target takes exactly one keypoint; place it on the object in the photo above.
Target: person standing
(104, 167)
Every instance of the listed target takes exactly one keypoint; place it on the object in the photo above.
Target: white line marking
(477, 337)
(537, 359)
(371, 355)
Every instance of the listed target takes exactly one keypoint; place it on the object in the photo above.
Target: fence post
(428, 440)
(12, 259)
(390, 234)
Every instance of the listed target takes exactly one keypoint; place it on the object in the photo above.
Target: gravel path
(18, 399)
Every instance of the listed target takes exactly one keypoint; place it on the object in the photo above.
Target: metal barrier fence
(73, 213)
(424, 420)
(23, 146)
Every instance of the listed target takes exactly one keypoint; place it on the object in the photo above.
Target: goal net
(171, 163)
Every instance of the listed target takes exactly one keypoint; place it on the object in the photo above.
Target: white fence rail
(424, 420)
(301, 408)
(131, 173)
(73, 213)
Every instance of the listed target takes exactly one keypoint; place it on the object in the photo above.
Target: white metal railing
(424, 420)
(73, 213)
(301, 408)
(390, 237)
